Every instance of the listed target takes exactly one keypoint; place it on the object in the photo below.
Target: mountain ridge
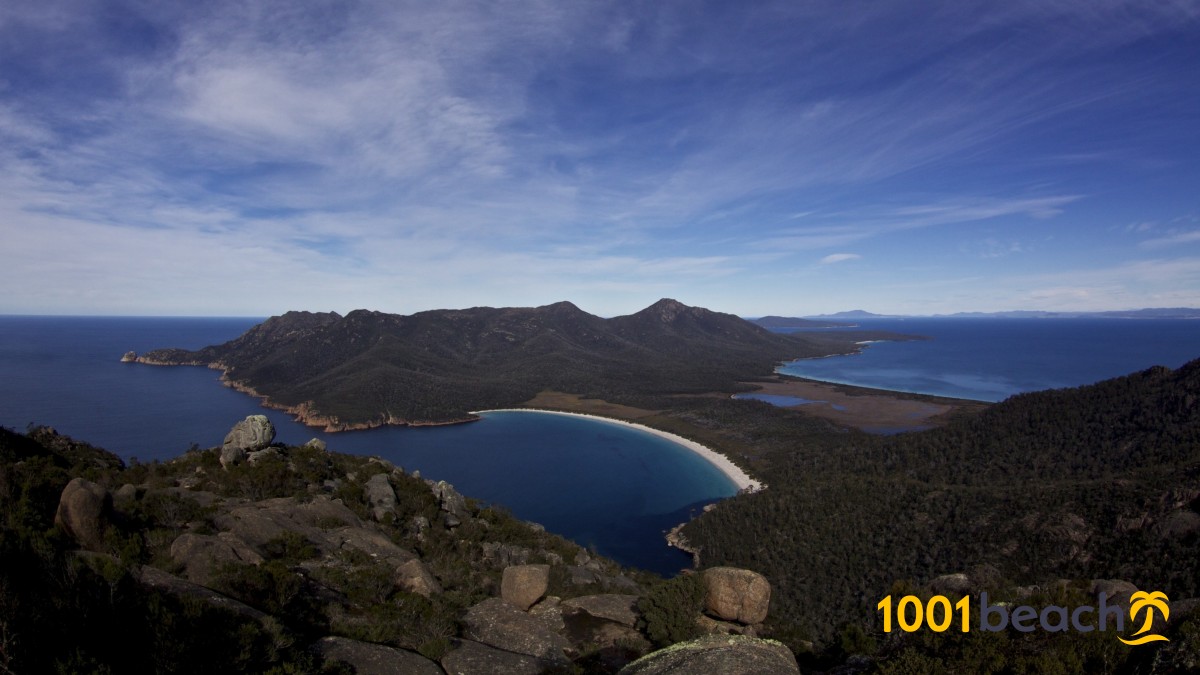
(370, 368)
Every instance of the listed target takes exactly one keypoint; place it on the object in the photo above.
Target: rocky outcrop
(169, 583)
(497, 623)
(610, 639)
(725, 654)
(414, 577)
(1116, 590)
(373, 659)
(452, 504)
(129, 357)
(381, 496)
(619, 608)
(258, 523)
(202, 555)
(84, 509)
(734, 594)
(315, 444)
(523, 585)
(250, 435)
(472, 658)
(504, 555)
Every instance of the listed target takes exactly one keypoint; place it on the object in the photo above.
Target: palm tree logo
(1147, 602)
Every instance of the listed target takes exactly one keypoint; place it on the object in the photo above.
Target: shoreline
(744, 483)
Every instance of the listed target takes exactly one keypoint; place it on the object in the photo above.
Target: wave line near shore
(723, 464)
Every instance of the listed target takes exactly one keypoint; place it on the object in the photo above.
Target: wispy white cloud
(839, 257)
(417, 154)
(1174, 238)
(867, 223)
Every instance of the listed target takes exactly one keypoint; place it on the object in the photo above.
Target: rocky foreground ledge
(336, 562)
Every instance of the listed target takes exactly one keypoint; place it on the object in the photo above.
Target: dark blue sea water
(603, 485)
(992, 359)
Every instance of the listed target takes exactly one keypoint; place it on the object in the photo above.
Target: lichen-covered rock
(550, 610)
(613, 607)
(734, 594)
(587, 632)
(523, 585)
(472, 658)
(725, 654)
(451, 501)
(251, 434)
(414, 577)
(83, 513)
(710, 626)
(263, 455)
(503, 555)
(373, 659)
(231, 455)
(497, 623)
(380, 495)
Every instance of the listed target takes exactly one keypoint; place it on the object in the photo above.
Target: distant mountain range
(1150, 313)
(771, 322)
(368, 368)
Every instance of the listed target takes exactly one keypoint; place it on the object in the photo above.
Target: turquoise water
(992, 359)
(607, 486)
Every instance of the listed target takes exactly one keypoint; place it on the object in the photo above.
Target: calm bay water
(992, 359)
(603, 485)
(606, 486)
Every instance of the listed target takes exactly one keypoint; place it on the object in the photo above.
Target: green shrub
(670, 609)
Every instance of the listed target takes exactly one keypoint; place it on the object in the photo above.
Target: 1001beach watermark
(912, 614)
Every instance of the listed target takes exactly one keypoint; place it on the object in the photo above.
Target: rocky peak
(667, 310)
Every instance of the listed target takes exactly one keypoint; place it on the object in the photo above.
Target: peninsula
(369, 369)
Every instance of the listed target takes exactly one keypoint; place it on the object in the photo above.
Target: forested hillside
(370, 368)
(1101, 481)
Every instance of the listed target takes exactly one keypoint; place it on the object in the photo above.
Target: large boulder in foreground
(373, 659)
(497, 623)
(473, 658)
(725, 654)
(250, 435)
(83, 513)
(614, 607)
(523, 585)
(734, 594)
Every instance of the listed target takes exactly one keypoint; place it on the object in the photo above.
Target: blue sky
(798, 157)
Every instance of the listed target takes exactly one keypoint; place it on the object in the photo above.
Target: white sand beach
(744, 483)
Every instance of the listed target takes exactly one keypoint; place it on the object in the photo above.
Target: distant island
(1148, 313)
(369, 369)
(775, 322)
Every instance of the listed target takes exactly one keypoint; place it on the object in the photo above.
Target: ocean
(988, 359)
(611, 488)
